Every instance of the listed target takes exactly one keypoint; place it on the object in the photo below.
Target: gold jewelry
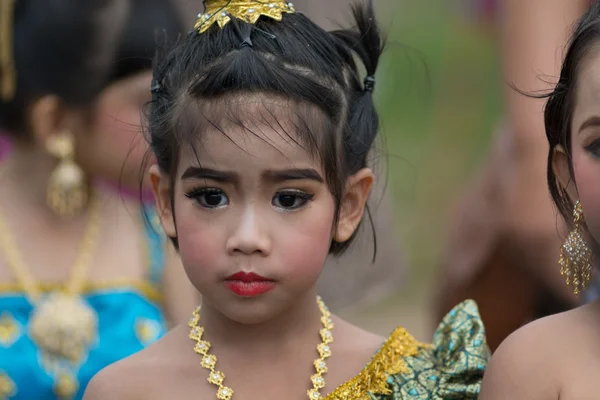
(575, 257)
(249, 11)
(63, 325)
(7, 64)
(67, 193)
(8, 388)
(217, 378)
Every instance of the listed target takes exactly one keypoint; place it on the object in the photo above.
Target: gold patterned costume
(403, 368)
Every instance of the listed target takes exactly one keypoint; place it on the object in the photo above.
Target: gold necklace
(217, 378)
(63, 324)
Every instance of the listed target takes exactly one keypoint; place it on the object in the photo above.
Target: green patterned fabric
(452, 368)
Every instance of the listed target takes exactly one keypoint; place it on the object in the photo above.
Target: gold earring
(575, 257)
(67, 192)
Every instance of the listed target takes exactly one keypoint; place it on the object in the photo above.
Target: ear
(352, 207)
(161, 187)
(46, 118)
(562, 171)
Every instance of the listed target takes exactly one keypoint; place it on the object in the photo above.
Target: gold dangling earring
(575, 257)
(67, 192)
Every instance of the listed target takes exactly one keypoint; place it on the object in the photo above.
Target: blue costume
(129, 318)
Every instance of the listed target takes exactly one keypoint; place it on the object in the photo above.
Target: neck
(300, 321)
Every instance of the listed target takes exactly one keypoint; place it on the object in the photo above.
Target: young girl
(261, 126)
(82, 278)
(355, 280)
(559, 357)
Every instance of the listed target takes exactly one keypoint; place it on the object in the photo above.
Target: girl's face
(254, 218)
(585, 142)
(114, 147)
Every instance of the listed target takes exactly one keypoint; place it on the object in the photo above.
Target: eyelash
(197, 194)
(306, 197)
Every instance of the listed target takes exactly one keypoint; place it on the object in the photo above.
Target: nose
(251, 235)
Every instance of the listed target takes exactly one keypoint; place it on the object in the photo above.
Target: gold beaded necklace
(217, 378)
(62, 324)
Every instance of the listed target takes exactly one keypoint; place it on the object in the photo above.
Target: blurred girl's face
(585, 142)
(114, 147)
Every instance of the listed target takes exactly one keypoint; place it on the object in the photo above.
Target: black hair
(558, 113)
(313, 70)
(61, 47)
(148, 21)
(75, 48)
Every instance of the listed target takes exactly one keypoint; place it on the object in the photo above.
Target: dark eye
(209, 197)
(291, 200)
(594, 148)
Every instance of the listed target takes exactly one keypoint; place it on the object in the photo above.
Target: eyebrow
(207, 173)
(293, 175)
(276, 176)
(590, 122)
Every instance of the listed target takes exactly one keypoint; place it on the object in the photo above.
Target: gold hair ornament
(249, 11)
(7, 65)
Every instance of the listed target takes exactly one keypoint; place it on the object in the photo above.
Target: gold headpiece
(7, 65)
(221, 11)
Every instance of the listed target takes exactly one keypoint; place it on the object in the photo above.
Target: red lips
(246, 284)
(246, 277)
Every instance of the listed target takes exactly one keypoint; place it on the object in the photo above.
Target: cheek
(587, 176)
(120, 131)
(200, 244)
(116, 148)
(304, 245)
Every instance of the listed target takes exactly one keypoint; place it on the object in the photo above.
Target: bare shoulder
(147, 371)
(532, 363)
(351, 339)
(110, 384)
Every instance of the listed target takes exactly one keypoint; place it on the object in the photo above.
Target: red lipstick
(248, 284)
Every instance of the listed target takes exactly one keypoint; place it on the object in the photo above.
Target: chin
(253, 310)
(249, 315)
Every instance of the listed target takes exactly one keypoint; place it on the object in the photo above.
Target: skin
(49, 244)
(268, 215)
(559, 357)
(116, 145)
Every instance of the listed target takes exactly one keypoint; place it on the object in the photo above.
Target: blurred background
(439, 92)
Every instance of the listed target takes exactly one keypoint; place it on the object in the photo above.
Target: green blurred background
(439, 92)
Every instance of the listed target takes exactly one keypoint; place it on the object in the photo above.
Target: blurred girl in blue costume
(261, 124)
(84, 281)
